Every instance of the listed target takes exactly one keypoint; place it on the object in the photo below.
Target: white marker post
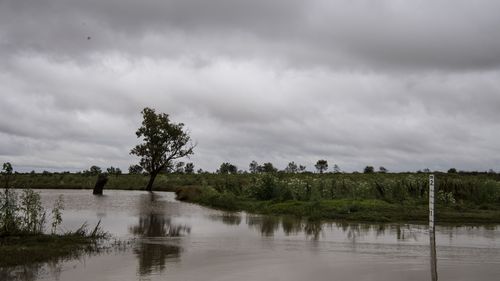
(432, 232)
(431, 204)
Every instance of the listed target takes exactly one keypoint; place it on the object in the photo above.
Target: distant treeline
(321, 167)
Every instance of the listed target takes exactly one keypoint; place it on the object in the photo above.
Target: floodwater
(180, 241)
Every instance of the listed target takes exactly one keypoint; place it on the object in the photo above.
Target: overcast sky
(402, 84)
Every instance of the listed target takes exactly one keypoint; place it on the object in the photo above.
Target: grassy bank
(464, 198)
(23, 236)
(30, 249)
(362, 210)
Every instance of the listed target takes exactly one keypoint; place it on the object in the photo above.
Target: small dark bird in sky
(88, 37)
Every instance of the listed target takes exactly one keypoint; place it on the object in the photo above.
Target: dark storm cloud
(402, 84)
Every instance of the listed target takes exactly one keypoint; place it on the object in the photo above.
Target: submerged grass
(25, 249)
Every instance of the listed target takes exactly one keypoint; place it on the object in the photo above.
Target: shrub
(31, 212)
(24, 214)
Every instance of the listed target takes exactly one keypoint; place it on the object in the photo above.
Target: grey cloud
(362, 35)
(398, 84)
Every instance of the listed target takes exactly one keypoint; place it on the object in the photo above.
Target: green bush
(24, 214)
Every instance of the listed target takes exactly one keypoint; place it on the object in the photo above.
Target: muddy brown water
(181, 241)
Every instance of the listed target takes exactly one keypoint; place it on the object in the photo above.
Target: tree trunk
(152, 177)
(101, 181)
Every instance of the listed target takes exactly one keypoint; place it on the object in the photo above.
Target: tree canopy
(227, 168)
(163, 142)
(321, 166)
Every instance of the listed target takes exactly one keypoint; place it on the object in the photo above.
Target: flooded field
(172, 240)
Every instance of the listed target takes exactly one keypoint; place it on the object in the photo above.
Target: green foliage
(189, 168)
(31, 212)
(6, 174)
(371, 197)
(292, 168)
(253, 167)
(135, 169)
(264, 188)
(211, 197)
(24, 214)
(57, 214)
(268, 168)
(321, 166)
(445, 198)
(114, 171)
(163, 142)
(9, 218)
(7, 168)
(368, 170)
(95, 170)
(27, 249)
(227, 168)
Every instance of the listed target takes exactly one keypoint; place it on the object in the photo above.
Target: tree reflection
(291, 225)
(227, 218)
(155, 230)
(157, 225)
(313, 229)
(267, 225)
(152, 257)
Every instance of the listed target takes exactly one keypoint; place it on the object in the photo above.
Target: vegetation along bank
(381, 197)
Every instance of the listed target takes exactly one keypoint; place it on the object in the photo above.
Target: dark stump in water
(102, 179)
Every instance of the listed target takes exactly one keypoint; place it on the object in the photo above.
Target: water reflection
(432, 236)
(227, 218)
(267, 225)
(291, 225)
(152, 257)
(154, 228)
(157, 225)
(54, 266)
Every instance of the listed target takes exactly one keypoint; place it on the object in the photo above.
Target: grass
(25, 249)
(462, 197)
(360, 210)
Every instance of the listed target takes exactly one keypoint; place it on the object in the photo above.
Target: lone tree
(6, 173)
(163, 142)
(189, 168)
(254, 167)
(321, 166)
(291, 168)
(368, 170)
(227, 168)
(268, 168)
(95, 170)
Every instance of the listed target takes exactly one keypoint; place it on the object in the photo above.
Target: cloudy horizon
(400, 84)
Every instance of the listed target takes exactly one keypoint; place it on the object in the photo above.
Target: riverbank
(25, 249)
(23, 239)
(358, 210)
(376, 197)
